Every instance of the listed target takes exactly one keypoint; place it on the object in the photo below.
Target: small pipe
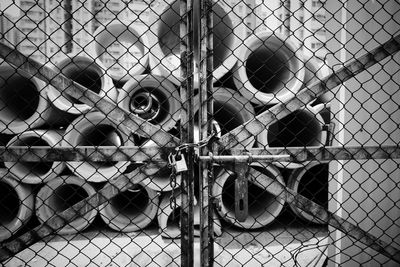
(131, 210)
(16, 205)
(269, 68)
(60, 194)
(87, 71)
(153, 98)
(36, 172)
(122, 49)
(312, 183)
(263, 207)
(95, 129)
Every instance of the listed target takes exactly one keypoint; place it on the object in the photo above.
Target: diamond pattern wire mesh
(292, 159)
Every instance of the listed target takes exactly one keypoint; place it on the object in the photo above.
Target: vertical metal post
(206, 114)
(186, 130)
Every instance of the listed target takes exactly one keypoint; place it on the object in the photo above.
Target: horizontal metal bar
(244, 158)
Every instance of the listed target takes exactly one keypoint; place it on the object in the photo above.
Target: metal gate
(181, 133)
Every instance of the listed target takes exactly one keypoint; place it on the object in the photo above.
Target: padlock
(180, 163)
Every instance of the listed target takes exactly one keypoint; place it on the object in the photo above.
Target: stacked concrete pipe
(168, 217)
(311, 182)
(95, 129)
(263, 207)
(23, 102)
(131, 210)
(60, 194)
(127, 41)
(87, 71)
(316, 70)
(16, 205)
(269, 69)
(153, 98)
(165, 42)
(36, 172)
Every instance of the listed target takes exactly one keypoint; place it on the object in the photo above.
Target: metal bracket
(241, 191)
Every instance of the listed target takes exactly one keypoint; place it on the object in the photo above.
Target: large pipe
(131, 210)
(269, 68)
(165, 44)
(16, 205)
(312, 183)
(23, 102)
(315, 71)
(87, 71)
(152, 98)
(169, 217)
(95, 129)
(122, 48)
(230, 111)
(303, 127)
(60, 194)
(263, 207)
(36, 172)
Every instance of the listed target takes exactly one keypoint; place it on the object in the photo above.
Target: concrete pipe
(269, 69)
(263, 206)
(152, 98)
(95, 129)
(303, 127)
(16, 205)
(165, 52)
(230, 111)
(122, 48)
(36, 172)
(169, 217)
(312, 183)
(60, 194)
(131, 210)
(23, 102)
(85, 70)
(316, 70)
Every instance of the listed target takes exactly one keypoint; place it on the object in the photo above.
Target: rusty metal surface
(241, 191)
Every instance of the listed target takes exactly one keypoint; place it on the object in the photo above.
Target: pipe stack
(140, 71)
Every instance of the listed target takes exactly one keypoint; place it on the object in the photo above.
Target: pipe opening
(35, 168)
(131, 203)
(268, 68)
(300, 128)
(173, 221)
(65, 196)
(9, 204)
(314, 184)
(227, 116)
(19, 97)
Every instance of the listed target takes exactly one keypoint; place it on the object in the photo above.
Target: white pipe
(303, 127)
(95, 129)
(169, 217)
(131, 210)
(60, 194)
(230, 111)
(152, 98)
(122, 48)
(263, 207)
(316, 70)
(312, 183)
(165, 42)
(23, 102)
(269, 68)
(36, 172)
(87, 71)
(16, 205)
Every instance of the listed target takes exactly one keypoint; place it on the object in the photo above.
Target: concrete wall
(366, 112)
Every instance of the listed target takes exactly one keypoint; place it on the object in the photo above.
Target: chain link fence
(200, 133)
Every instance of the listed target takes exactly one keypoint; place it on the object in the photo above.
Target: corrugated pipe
(60, 194)
(263, 207)
(16, 205)
(312, 183)
(122, 48)
(269, 70)
(165, 42)
(131, 210)
(36, 172)
(23, 102)
(87, 71)
(95, 129)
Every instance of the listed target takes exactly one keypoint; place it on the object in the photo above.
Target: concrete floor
(274, 247)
